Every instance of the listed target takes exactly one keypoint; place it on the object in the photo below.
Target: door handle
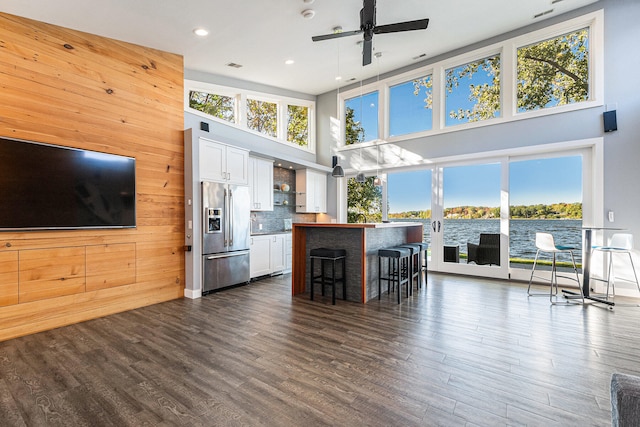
(438, 226)
(433, 226)
(231, 219)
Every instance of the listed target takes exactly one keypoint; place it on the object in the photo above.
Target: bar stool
(415, 263)
(545, 243)
(398, 260)
(325, 256)
(422, 262)
(619, 243)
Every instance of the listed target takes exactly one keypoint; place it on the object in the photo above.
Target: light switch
(611, 217)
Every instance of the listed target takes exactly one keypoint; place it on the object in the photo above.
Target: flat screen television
(48, 187)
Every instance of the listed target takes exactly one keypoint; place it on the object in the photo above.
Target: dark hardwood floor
(462, 352)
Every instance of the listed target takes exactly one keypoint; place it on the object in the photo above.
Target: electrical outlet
(259, 226)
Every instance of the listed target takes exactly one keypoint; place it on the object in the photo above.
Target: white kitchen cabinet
(260, 256)
(261, 184)
(277, 253)
(223, 163)
(311, 191)
(268, 254)
(288, 251)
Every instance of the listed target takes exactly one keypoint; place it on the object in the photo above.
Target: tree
(262, 116)
(554, 71)
(354, 132)
(298, 125)
(549, 73)
(485, 97)
(218, 106)
(364, 199)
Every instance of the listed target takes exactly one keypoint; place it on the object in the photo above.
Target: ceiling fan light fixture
(368, 29)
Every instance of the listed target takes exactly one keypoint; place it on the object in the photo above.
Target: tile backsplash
(273, 222)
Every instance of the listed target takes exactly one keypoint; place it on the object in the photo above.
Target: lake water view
(457, 232)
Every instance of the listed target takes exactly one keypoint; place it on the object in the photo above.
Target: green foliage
(425, 83)
(262, 117)
(354, 132)
(298, 125)
(553, 211)
(549, 73)
(218, 106)
(364, 201)
(485, 97)
(556, 210)
(554, 72)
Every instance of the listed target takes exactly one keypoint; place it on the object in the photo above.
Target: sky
(540, 181)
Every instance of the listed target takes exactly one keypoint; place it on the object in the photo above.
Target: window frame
(240, 111)
(507, 50)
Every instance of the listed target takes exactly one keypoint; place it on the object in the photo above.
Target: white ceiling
(261, 34)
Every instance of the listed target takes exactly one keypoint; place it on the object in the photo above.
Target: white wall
(621, 88)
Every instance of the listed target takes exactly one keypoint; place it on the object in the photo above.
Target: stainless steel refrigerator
(226, 234)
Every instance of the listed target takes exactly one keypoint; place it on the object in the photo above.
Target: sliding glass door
(481, 218)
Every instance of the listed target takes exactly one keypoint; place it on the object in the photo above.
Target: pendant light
(337, 171)
(360, 176)
(377, 181)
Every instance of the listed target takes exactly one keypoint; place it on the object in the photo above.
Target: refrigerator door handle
(226, 216)
(231, 219)
(226, 255)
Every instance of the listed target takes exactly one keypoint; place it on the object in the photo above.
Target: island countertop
(357, 224)
(360, 240)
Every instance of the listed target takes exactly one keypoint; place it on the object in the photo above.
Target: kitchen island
(361, 241)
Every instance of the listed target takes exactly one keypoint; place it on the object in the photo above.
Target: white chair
(619, 243)
(545, 243)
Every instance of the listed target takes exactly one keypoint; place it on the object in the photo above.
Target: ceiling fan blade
(335, 35)
(368, 14)
(419, 24)
(367, 47)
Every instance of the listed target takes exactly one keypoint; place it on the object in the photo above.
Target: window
(262, 116)
(219, 106)
(361, 115)
(554, 72)
(279, 119)
(298, 125)
(411, 105)
(473, 91)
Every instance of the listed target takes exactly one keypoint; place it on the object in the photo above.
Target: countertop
(357, 225)
(266, 233)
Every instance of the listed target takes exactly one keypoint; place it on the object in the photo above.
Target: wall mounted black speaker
(204, 126)
(610, 122)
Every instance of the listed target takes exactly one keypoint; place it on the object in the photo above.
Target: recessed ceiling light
(307, 1)
(338, 77)
(289, 61)
(308, 13)
(201, 32)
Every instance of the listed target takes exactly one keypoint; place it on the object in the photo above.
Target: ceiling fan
(368, 28)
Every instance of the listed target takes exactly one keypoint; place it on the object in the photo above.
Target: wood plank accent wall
(80, 90)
